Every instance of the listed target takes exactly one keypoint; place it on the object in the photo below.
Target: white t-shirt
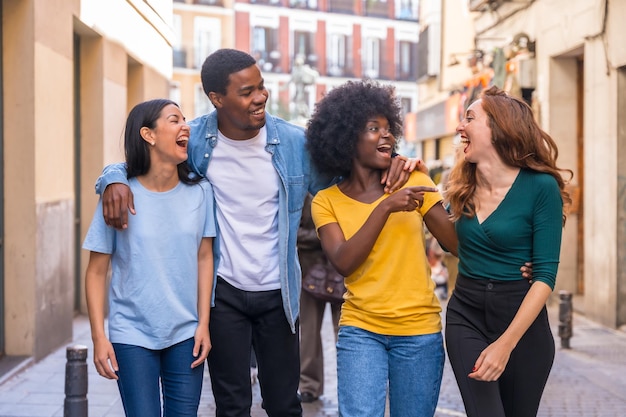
(246, 184)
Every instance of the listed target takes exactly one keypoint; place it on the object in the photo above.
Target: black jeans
(479, 311)
(242, 319)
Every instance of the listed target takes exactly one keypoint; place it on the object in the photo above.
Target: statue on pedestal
(302, 75)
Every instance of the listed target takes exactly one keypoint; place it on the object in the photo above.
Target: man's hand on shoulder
(117, 200)
(399, 172)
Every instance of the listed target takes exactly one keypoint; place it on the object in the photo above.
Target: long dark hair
(136, 149)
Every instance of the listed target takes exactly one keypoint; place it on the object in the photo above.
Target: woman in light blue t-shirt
(159, 295)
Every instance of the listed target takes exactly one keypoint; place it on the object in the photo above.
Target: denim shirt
(286, 144)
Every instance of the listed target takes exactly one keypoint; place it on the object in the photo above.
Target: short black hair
(339, 118)
(218, 66)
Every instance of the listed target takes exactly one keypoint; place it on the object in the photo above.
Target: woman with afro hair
(390, 328)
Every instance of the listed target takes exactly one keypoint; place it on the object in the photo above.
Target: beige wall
(19, 176)
(117, 70)
(457, 38)
(600, 154)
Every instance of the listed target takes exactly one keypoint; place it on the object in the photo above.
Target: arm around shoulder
(117, 199)
(114, 173)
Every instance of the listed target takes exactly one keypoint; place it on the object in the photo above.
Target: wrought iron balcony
(209, 2)
(375, 8)
(180, 57)
(341, 6)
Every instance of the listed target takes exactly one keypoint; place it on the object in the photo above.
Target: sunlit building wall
(71, 70)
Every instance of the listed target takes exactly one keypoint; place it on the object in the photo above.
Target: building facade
(446, 41)
(71, 71)
(339, 39)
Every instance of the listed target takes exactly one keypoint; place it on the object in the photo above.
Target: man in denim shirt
(260, 173)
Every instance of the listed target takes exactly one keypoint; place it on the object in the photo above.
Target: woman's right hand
(408, 198)
(117, 200)
(104, 358)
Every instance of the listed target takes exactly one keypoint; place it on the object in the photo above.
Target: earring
(152, 143)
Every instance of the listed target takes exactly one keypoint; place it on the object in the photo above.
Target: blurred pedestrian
(312, 309)
(438, 270)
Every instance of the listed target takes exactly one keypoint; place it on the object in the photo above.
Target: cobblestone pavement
(588, 380)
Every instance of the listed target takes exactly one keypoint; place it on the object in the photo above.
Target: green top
(526, 226)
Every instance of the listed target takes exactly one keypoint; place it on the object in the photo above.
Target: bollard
(76, 382)
(565, 318)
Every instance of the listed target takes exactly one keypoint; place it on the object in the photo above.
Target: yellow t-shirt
(391, 293)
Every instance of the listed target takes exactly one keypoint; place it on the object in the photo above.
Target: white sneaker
(254, 373)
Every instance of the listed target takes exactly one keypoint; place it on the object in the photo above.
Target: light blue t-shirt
(153, 295)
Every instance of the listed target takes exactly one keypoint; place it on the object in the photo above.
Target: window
(268, 2)
(371, 57)
(207, 38)
(180, 53)
(303, 4)
(304, 45)
(376, 8)
(407, 10)
(175, 92)
(265, 48)
(339, 60)
(202, 104)
(405, 103)
(407, 57)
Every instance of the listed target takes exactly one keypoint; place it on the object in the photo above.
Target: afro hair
(339, 118)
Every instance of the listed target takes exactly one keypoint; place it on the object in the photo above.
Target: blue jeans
(141, 370)
(370, 364)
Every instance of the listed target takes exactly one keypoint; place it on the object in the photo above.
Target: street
(588, 380)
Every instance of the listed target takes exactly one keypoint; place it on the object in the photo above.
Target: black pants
(240, 320)
(479, 311)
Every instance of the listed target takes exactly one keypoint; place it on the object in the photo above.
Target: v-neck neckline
(482, 222)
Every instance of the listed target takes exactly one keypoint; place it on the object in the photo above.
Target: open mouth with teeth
(386, 149)
(259, 112)
(464, 142)
(182, 142)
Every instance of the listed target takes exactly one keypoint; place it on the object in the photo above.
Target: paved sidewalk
(588, 380)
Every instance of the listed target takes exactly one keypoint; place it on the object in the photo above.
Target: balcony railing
(268, 61)
(341, 6)
(374, 8)
(303, 4)
(267, 2)
(180, 57)
(209, 2)
(335, 70)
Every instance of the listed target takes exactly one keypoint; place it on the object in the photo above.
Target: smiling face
(241, 111)
(168, 140)
(475, 133)
(375, 144)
